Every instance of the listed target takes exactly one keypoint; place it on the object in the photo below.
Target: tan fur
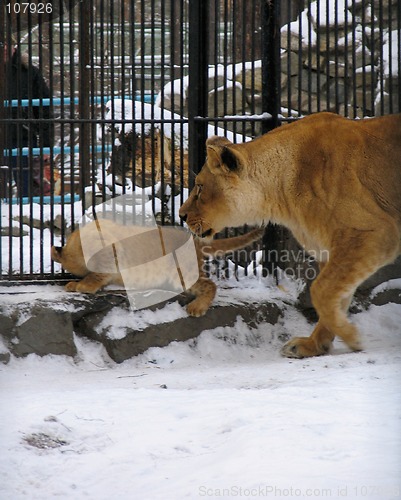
(335, 183)
(133, 252)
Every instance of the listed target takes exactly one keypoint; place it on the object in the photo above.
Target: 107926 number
(29, 8)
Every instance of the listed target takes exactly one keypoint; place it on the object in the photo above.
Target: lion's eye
(198, 190)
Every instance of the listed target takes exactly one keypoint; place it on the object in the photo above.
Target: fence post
(2, 87)
(84, 129)
(2, 98)
(271, 63)
(274, 235)
(198, 86)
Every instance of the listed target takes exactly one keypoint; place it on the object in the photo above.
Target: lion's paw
(197, 308)
(71, 286)
(304, 347)
(81, 287)
(354, 342)
(85, 287)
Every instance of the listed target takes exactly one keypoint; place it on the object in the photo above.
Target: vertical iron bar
(398, 64)
(92, 110)
(290, 60)
(198, 76)
(2, 99)
(101, 40)
(318, 59)
(3, 172)
(336, 56)
(364, 65)
(271, 101)
(84, 130)
(152, 112)
(226, 61)
(309, 56)
(50, 28)
(72, 87)
(161, 135)
(270, 63)
(389, 88)
(183, 43)
(373, 49)
(381, 77)
(328, 46)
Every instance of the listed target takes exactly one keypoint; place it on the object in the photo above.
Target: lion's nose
(183, 217)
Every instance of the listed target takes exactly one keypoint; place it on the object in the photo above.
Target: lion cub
(130, 256)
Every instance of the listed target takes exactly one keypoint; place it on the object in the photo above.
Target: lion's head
(223, 195)
(71, 256)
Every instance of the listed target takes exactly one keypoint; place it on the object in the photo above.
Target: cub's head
(214, 202)
(71, 256)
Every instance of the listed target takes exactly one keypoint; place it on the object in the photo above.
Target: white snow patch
(391, 53)
(331, 12)
(387, 285)
(212, 417)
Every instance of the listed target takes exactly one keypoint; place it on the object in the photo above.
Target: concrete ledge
(136, 341)
(44, 324)
(44, 319)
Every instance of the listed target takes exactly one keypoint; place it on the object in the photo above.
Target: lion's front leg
(204, 290)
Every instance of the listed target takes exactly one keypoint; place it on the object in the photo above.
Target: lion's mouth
(198, 230)
(207, 234)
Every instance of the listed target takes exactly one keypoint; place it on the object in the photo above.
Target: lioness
(334, 182)
(136, 248)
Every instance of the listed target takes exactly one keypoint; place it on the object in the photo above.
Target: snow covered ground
(221, 416)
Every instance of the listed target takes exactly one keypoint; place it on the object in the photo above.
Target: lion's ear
(222, 157)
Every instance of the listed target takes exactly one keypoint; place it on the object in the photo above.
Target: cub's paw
(197, 308)
(81, 287)
(304, 347)
(85, 287)
(71, 286)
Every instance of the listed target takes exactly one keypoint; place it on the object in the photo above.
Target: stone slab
(48, 326)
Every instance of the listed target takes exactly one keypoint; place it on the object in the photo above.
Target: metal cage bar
(132, 89)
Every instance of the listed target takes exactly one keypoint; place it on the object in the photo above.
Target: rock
(392, 271)
(46, 331)
(5, 358)
(35, 223)
(7, 322)
(309, 81)
(136, 341)
(13, 231)
(59, 222)
(47, 326)
(226, 101)
(290, 40)
(251, 78)
(353, 50)
(92, 201)
(386, 296)
(388, 103)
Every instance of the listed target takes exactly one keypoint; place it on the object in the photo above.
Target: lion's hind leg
(320, 342)
(333, 290)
